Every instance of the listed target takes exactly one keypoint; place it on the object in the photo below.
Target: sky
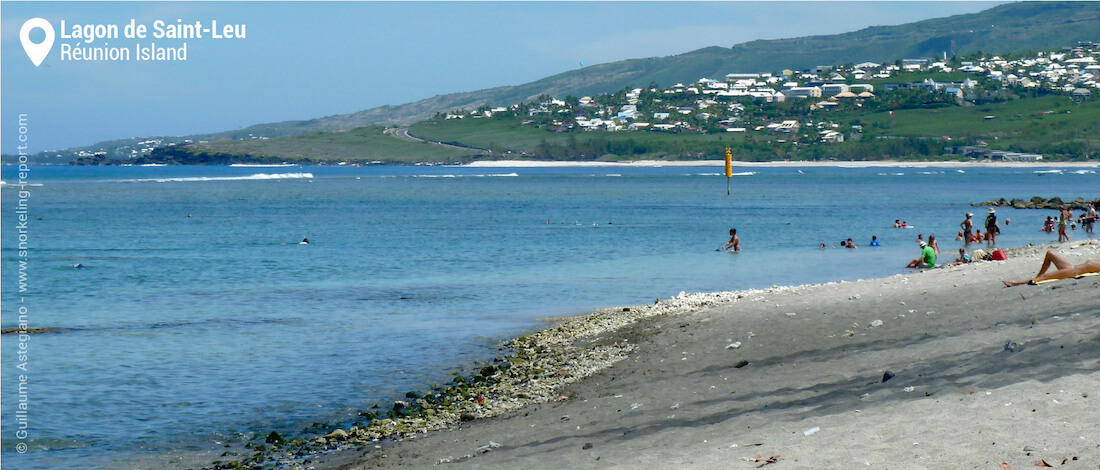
(303, 60)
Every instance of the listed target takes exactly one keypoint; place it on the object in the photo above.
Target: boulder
(337, 435)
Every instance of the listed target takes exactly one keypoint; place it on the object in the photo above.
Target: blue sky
(301, 60)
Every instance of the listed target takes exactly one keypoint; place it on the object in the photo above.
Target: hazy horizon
(304, 60)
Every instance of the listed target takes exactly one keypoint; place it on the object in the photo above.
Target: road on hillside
(403, 134)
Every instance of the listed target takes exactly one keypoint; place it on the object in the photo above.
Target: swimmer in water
(734, 244)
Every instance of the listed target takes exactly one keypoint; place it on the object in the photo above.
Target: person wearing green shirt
(927, 258)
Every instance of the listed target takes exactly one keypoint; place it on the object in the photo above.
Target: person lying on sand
(1065, 269)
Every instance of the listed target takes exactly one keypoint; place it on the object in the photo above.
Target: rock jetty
(1042, 203)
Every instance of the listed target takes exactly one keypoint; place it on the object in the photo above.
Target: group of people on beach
(1063, 268)
(970, 235)
(931, 249)
(1087, 220)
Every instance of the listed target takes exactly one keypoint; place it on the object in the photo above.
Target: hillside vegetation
(1051, 125)
(1004, 29)
(364, 144)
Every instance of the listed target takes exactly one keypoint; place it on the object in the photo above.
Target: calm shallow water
(184, 330)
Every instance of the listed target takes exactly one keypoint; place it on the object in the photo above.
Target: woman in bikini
(1065, 269)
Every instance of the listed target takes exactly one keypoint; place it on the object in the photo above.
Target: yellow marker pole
(729, 169)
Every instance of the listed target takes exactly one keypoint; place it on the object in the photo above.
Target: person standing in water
(1090, 218)
(734, 244)
(1064, 216)
(991, 228)
(968, 227)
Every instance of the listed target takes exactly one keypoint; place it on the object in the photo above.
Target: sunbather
(1065, 269)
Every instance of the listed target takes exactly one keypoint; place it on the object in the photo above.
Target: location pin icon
(37, 52)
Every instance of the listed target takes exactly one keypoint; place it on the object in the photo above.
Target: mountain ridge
(1004, 29)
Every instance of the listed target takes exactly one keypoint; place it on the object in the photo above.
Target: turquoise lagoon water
(199, 317)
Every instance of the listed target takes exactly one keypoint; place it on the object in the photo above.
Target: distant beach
(779, 164)
(944, 368)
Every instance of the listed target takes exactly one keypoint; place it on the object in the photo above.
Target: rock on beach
(661, 385)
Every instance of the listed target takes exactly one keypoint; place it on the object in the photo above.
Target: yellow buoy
(729, 169)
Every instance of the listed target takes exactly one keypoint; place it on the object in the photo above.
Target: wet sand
(945, 368)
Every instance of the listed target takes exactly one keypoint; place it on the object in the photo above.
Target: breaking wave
(257, 176)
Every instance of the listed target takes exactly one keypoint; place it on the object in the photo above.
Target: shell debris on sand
(538, 365)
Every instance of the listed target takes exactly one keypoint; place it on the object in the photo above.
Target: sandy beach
(781, 164)
(945, 368)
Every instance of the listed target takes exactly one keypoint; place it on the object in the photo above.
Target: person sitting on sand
(734, 244)
(1065, 269)
(927, 258)
(962, 259)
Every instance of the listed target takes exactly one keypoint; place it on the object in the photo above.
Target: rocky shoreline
(1042, 203)
(536, 367)
(543, 371)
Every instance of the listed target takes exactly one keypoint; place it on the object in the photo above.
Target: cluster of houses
(1074, 71)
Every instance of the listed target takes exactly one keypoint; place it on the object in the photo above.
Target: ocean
(198, 318)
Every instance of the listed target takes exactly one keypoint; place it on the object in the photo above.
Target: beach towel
(1078, 277)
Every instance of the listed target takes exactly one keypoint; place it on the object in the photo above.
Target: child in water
(734, 244)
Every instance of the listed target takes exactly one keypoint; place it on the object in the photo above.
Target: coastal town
(795, 106)
(769, 114)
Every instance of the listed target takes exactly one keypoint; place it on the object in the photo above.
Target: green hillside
(1051, 125)
(1016, 27)
(1005, 29)
(364, 144)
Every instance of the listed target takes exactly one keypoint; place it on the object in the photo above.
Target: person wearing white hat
(927, 258)
(968, 227)
(991, 228)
